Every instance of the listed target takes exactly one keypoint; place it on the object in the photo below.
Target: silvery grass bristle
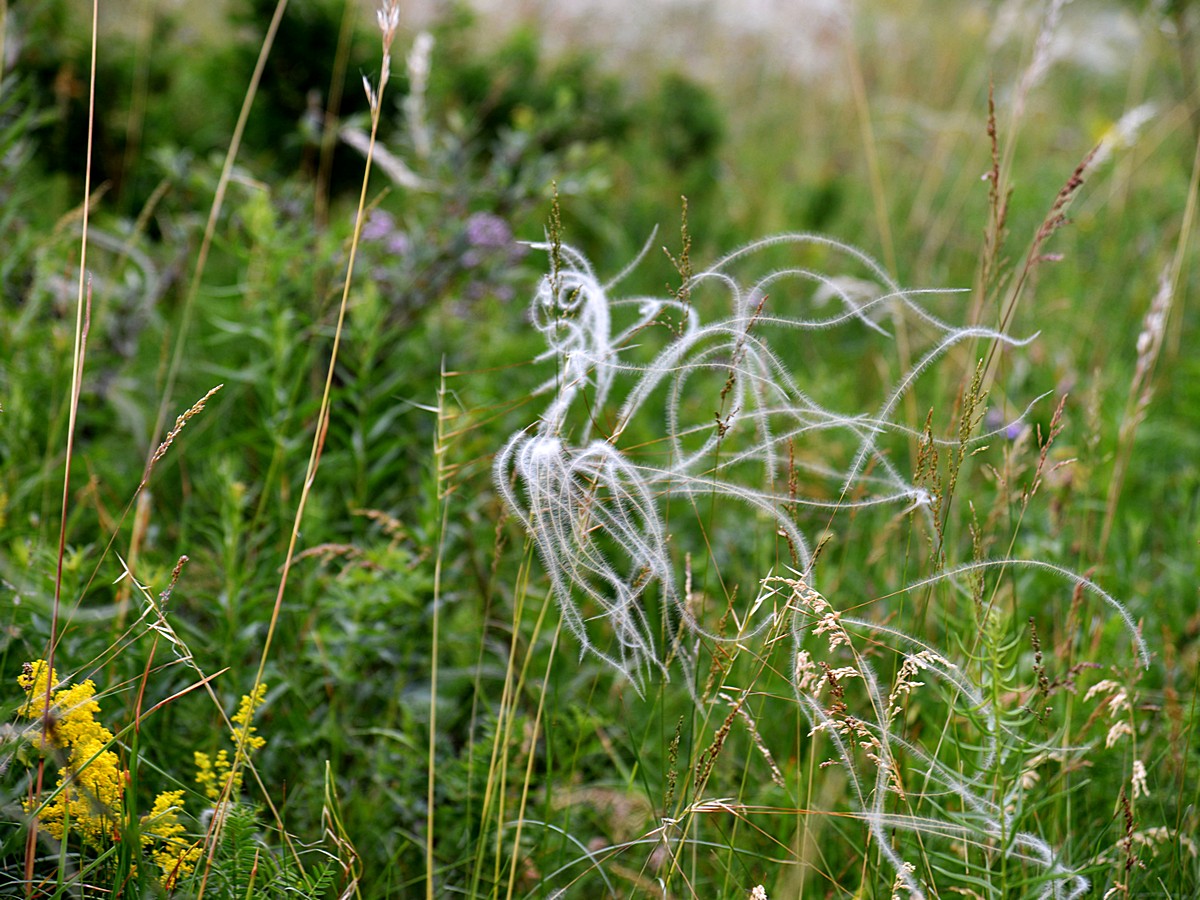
(596, 512)
(985, 818)
(571, 487)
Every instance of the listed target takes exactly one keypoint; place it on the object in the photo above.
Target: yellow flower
(92, 784)
(221, 778)
(213, 774)
(244, 734)
(33, 680)
(205, 776)
(162, 836)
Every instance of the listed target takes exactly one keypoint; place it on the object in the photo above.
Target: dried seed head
(388, 17)
(1138, 780)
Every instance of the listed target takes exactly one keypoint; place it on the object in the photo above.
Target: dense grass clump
(395, 502)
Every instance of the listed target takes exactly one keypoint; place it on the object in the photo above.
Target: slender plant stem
(443, 496)
(1131, 419)
(210, 228)
(136, 118)
(322, 425)
(537, 724)
(520, 592)
(333, 107)
(878, 195)
(83, 303)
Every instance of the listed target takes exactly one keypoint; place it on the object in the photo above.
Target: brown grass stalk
(83, 308)
(322, 425)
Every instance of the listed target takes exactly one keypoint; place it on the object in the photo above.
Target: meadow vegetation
(429, 467)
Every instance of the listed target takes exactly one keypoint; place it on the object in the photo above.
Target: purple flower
(399, 244)
(995, 421)
(379, 225)
(488, 231)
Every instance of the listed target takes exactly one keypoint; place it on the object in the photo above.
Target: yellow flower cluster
(91, 785)
(212, 774)
(219, 776)
(174, 854)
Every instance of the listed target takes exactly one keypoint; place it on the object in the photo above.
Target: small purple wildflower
(488, 231)
(399, 244)
(380, 224)
(380, 227)
(995, 421)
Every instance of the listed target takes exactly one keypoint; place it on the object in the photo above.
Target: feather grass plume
(597, 511)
